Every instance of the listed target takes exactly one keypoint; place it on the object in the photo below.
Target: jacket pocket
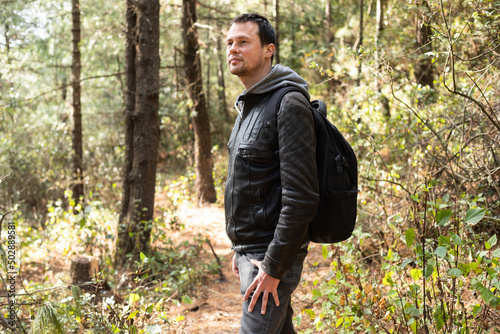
(259, 207)
(257, 152)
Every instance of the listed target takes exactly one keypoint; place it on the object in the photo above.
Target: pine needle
(46, 321)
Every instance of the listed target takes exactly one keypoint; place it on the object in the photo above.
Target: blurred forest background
(115, 113)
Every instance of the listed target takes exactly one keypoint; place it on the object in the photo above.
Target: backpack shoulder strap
(271, 110)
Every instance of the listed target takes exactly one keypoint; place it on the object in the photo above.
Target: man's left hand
(262, 283)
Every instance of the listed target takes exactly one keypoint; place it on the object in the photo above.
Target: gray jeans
(278, 319)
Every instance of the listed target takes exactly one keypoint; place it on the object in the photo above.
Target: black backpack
(337, 174)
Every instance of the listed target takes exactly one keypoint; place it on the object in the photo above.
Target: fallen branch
(221, 274)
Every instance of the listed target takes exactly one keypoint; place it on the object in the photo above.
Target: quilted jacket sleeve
(299, 181)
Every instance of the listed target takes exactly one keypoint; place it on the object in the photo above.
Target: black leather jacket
(272, 186)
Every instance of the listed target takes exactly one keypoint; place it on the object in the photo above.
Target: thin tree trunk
(124, 245)
(424, 72)
(77, 108)
(142, 132)
(329, 25)
(360, 42)
(204, 183)
(220, 74)
(277, 30)
(7, 41)
(378, 36)
(221, 91)
(330, 36)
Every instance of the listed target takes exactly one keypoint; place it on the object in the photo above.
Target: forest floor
(217, 306)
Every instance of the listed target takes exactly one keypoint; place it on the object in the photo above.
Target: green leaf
(416, 274)
(410, 237)
(441, 251)
(456, 240)
(465, 268)
(496, 253)
(324, 251)
(487, 295)
(491, 242)
(476, 309)
(443, 217)
(444, 241)
(405, 262)
(413, 311)
(455, 272)
(473, 216)
(439, 316)
(132, 315)
(428, 270)
(133, 297)
(186, 299)
(495, 301)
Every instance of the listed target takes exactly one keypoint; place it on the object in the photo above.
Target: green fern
(77, 293)
(46, 321)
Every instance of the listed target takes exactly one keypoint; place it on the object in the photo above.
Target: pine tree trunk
(77, 108)
(277, 30)
(329, 26)
(360, 42)
(424, 72)
(142, 130)
(220, 75)
(204, 183)
(384, 101)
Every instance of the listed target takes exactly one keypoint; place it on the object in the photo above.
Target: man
(272, 186)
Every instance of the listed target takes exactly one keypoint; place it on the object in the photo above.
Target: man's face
(245, 55)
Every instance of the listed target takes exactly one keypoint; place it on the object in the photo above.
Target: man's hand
(262, 283)
(236, 271)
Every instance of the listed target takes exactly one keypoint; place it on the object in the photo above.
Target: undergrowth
(135, 300)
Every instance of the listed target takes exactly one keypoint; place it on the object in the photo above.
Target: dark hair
(267, 34)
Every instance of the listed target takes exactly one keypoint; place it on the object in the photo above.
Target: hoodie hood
(280, 76)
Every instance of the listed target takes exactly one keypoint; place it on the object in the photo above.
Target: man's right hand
(235, 267)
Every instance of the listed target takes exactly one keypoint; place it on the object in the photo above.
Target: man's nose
(232, 48)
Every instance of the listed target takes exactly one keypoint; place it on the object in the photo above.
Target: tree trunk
(77, 108)
(142, 130)
(360, 42)
(277, 30)
(424, 73)
(384, 101)
(329, 25)
(204, 183)
(7, 42)
(83, 269)
(220, 74)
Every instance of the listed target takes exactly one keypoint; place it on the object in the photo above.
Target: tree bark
(329, 25)
(424, 72)
(360, 42)
(384, 101)
(7, 41)
(277, 30)
(204, 184)
(83, 269)
(77, 108)
(142, 129)
(220, 75)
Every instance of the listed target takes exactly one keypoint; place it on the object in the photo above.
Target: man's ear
(269, 50)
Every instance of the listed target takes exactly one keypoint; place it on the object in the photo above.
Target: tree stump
(83, 269)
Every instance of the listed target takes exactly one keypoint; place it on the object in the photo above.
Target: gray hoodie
(280, 76)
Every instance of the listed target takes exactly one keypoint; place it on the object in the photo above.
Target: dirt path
(217, 309)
